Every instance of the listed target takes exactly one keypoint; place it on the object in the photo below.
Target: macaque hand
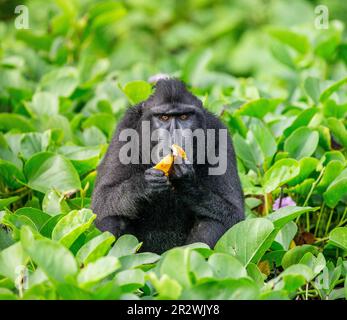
(156, 180)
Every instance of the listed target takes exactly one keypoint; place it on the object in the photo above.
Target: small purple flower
(285, 202)
(155, 78)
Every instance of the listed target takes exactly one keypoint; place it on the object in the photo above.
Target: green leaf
(280, 173)
(307, 166)
(47, 229)
(11, 259)
(95, 248)
(336, 191)
(62, 81)
(258, 108)
(297, 41)
(93, 136)
(247, 240)
(34, 142)
(195, 67)
(137, 91)
(299, 269)
(46, 171)
(139, 259)
(303, 119)
(108, 290)
(264, 138)
(166, 287)
(246, 153)
(53, 203)
(102, 121)
(199, 269)
(6, 238)
(16, 222)
(302, 143)
(97, 270)
(286, 235)
(333, 155)
(282, 54)
(130, 280)
(6, 294)
(327, 43)
(315, 264)
(105, 14)
(295, 254)
(35, 215)
(338, 237)
(295, 276)
(71, 226)
(331, 89)
(324, 137)
(312, 88)
(10, 175)
(59, 125)
(274, 295)
(69, 291)
(4, 203)
(10, 121)
(45, 103)
(254, 272)
(52, 257)
(332, 109)
(332, 170)
(7, 153)
(175, 265)
(125, 245)
(84, 159)
(226, 266)
(286, 214)
(338, 130)
(229, 289)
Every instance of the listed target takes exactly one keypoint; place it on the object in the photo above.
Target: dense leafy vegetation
(275, 80)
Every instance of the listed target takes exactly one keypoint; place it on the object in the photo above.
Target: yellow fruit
(178, 151)
(166, 163)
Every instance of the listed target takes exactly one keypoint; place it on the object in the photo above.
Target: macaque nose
(178, 138)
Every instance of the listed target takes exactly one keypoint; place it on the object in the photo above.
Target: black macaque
(190, 205)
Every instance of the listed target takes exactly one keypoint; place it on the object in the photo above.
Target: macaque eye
(183, 116)
(164, 117)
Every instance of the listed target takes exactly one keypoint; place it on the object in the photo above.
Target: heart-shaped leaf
(46, 170)
(72, 225)
(247, 240)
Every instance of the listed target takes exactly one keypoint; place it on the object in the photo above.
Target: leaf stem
(341, 223)
(266, 204)
(308, 227)
(321, 240)
(329, 221)
(342, 218)
(319, 219)
(314, 184)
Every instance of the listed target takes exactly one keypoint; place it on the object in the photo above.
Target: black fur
(194, 207)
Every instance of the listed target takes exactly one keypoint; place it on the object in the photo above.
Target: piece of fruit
(178, 151)
(166, 163)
